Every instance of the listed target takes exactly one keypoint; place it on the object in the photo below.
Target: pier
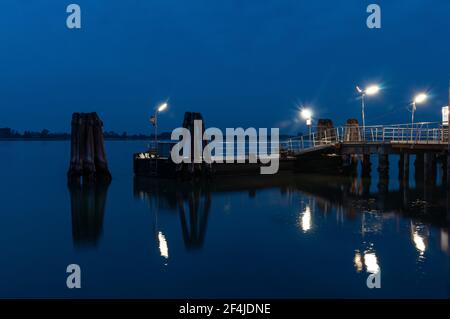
(332, 150)
(428, 142)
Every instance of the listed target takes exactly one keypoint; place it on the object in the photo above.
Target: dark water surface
(292, 236)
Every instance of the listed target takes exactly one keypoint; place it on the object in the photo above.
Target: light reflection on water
(370, 214)
(280, 236)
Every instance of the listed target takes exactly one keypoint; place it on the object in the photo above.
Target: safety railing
(315, 140)
(417, 133)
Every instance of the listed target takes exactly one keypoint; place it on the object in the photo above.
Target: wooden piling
(366, 165)
(383, 172)
(352, 132)
(405, 169)
(401, 164)
(88, 156)
(325, 132)
(448, 170)
(192, 169)
(419, 168)
(429, 168)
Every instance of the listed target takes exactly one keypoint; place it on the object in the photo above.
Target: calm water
(291, 236)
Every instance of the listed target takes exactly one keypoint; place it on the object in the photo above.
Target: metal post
(412, 119)
(156, 131)
(405, 169)
(363, 117)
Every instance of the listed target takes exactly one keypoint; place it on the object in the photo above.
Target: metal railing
(418, 133)
(312, 141)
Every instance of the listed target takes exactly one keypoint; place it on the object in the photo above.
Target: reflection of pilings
(366, 182)
(193, 226)
(88, 207)
(404, 191)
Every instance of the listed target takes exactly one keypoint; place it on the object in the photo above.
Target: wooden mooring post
(419, 168)
(383, 172)
(366, 166)
(87, 150)
(429, 167)
(448, 169)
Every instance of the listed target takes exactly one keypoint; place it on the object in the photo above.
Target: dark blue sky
(240, 63)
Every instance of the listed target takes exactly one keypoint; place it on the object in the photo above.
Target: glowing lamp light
(306, 114)
(372, 90)
(371, 262)
(419, 242)
(162, 107)
(305, 219)
(163, 247)
(420, 98)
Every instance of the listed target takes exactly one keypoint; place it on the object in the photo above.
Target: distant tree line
(8, 133)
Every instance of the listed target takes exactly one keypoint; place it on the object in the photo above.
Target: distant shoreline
(55, 139)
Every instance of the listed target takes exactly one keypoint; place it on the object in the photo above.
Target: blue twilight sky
(239, 62)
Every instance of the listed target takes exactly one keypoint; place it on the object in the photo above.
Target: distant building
(5, 132)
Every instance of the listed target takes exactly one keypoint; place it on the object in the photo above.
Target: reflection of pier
(351, 193)
(192, 202)
(88, 207)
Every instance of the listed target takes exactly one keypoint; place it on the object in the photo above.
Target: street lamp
(370, 90)
(419, 98)
(154, 121)
(306, 114)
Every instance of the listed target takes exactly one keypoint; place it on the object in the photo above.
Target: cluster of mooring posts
(87, 151)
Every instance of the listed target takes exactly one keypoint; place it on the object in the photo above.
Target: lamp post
(419, 98)
(370, 90)
(306, 114)
(154, 121)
